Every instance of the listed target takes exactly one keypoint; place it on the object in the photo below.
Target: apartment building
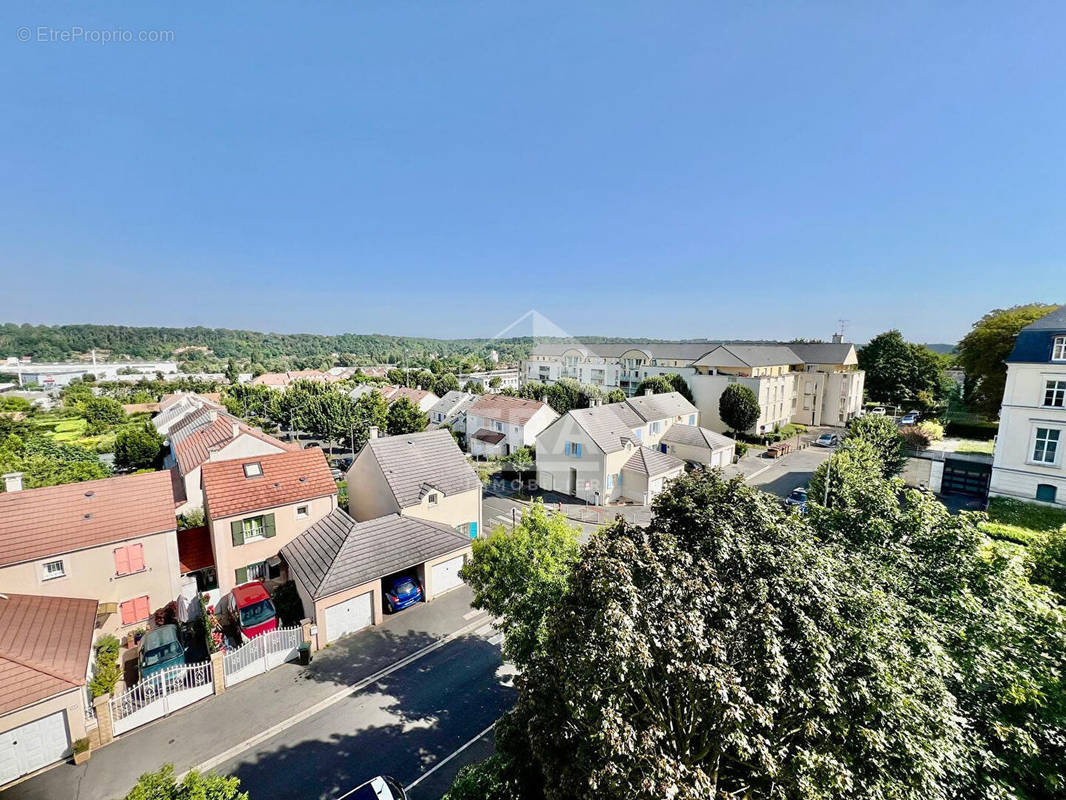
(810, 384)
(1030, 457)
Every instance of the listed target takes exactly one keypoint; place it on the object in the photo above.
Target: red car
(253, 609)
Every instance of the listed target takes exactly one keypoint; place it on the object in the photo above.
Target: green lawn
(975, 446)
(1021, 522)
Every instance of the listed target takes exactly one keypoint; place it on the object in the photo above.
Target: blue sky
(645, 169)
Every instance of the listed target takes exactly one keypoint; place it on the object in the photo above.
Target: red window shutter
(122, 561)
(129, 612)
(142, 607)
(136, 555)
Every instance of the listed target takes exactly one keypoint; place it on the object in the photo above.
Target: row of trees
(876, 646)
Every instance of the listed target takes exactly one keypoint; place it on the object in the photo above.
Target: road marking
(484, 631)
(322, 705)
(497, 639)
(474, 612)
(440, 764)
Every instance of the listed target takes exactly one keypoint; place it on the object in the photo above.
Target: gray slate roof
(413, 461)
(652, 462)
(661, 406)
(822, 352)
(1036, 340)
(453, 403)
(695, 436)
(610, 426)
(338, 553)
(753, 355)
(1055, 321)
(690, 351)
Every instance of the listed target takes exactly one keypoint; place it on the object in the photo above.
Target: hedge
(972, 430)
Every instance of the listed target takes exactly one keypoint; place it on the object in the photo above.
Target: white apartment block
(1030, 457)
(809, 384)
(509, 379)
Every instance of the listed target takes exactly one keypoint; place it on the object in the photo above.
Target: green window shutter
(237, 531)
(268, 526)
(242, 575)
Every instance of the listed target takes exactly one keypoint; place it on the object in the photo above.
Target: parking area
(791, 471)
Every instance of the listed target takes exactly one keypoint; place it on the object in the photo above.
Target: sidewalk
(577, 510)
(203, 730)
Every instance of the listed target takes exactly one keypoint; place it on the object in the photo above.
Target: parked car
(252, 610)
(910, 418)
(827, 440)
(797, 498)
(343, 463)
(337, 474)
(161, 649)
(402, 591)
(878, 412)
(380, 788)
(693, 466)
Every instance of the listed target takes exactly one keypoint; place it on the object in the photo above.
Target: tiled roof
(489, 437)
(514, 410)
(338, 553)
(192, 450)
(661, 406)
(44, 647)
(416, 396)
(35, 523)
(287, 478)
(651, 462)
(413, 459)
(194, 549)
(696, 437)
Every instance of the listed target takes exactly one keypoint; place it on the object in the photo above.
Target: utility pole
(828, 472)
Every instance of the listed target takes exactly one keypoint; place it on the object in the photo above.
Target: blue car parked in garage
(402, 591)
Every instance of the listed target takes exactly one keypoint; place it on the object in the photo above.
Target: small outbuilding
(693, 443)
(646, 472)
(339, 564)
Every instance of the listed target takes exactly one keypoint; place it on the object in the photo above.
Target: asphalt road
(403, 725)
(792, 471)
(501, 511)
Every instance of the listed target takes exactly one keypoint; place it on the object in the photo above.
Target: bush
(106, 670)
(81, 745)
(138, 448)
(1021, 522)
(931, 428)
(741, 448)
(914, 438)
(1047, 560)
(972, 430)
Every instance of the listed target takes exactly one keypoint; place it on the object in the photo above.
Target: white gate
(260, 654)
(161, 693)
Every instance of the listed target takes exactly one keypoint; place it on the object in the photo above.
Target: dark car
(161, 649)
(797, 498)
(402, 591)
(380, 788)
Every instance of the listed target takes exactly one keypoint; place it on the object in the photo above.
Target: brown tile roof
(287, 478)
(489, 437)
(35, 523)
(194, 549)
(44, 647)
(140, 408)
(416, 396)
(285, 378)
(514, 410)
(194, 449)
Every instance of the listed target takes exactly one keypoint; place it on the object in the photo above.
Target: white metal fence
(159, 694)
(260, 654)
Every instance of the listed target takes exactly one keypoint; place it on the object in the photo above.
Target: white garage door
(446, 575)
(349, 616)
(33, 745)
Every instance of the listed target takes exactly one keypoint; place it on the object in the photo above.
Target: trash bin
(305, 653)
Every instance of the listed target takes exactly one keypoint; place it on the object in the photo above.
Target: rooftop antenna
(843, 326)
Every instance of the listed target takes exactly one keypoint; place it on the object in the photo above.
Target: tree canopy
(404, 417)
(138, 448)
(739, 407)
(162, 785)
(883, 435)
(898, 371)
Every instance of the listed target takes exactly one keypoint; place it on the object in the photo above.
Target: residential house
(207, 433)
(1030, 455)
(256, 505)
(338, 566)
(699, 445)
(420, 397)
(282, 380)
(450, 411)
(423, 475)
(111, 540)
(497, 424)
(173, 408)
(45, 643)
(811, 384)
(613, 453)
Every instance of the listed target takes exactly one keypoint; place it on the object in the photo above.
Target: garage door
(349, 616)
(965, 477)
(446, 575)
(32, 746)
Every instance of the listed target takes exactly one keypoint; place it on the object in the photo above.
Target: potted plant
(139, 634)
(81, 750)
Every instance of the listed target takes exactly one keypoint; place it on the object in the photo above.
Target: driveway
(791, 471)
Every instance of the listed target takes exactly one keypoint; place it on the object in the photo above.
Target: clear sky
(721, 170)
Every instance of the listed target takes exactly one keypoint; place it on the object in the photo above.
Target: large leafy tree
(138, 448)
(898, 371)
(371, 410)
(405, 417)
(519, 575)
(101, 413)
(883, 435)
(984, 350)
(656, 384)
(46, 462)
(563, 395)
(738, 407)
(162, 785)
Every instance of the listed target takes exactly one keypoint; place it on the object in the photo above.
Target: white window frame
(1057, 389)
(48, 576)
(1057, 442)
(253, 470)
(1058, 349)
(245, 528)
(432, 498)
(303, 512)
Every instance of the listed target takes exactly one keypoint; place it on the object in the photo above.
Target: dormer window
(432, 498)
(253, 470)
(1058, 349)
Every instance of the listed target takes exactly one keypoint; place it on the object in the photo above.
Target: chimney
(212, 415)
(13, 482)
(838, 338)
(373, 431)
(236, 429)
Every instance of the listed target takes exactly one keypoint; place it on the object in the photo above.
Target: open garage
(343, 568)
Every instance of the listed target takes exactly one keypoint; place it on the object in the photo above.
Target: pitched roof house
(498, 424)
(451, 410)
(256, 505)
(111, 540)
